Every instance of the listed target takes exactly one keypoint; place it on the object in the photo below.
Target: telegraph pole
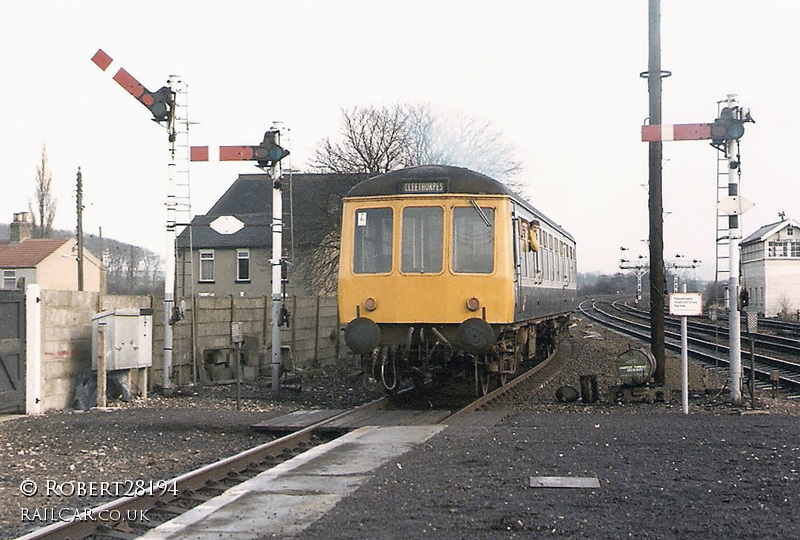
(79, 232)
(654, 76)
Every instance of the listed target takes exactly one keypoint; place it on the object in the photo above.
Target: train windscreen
(422, 239)
(473, 240)
(372, 246)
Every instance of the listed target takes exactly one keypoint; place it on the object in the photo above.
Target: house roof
(311, 204)
(28, 253)
(768, 230)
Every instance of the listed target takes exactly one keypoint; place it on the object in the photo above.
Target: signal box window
(473, 240)
(372, 248)
(422, 239)
(206, 266)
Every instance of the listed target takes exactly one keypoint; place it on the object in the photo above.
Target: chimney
(21, 228)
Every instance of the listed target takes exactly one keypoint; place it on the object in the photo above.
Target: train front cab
(425, 262)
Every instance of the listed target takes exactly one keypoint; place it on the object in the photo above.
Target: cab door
(515, 236)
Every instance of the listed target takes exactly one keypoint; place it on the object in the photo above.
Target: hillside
(130, 269)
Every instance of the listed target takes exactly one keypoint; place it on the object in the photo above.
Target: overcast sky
(560, 78)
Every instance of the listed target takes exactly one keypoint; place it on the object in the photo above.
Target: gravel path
(653, 463)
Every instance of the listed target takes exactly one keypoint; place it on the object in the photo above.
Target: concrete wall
(312, 337)
(65, 341)
(59, 347)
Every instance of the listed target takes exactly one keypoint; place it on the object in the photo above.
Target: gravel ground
(145, 440)
(652, 462)
(662, 474)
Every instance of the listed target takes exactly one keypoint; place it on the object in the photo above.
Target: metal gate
(12, 351)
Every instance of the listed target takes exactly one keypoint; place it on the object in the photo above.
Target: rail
(101, 517)
(711, 353)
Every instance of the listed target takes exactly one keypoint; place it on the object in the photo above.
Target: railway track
(122, 518)
(706, 344)
(787, 344)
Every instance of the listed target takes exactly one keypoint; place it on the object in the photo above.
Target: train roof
(429, 179)
(440, 179)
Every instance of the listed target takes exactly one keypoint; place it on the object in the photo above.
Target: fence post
(101, 365)
(316, 335)
(294, 328)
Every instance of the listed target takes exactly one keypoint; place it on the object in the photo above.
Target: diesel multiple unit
(445, 271)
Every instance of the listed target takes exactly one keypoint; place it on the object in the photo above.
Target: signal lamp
(269, 152)
(370, 304)
(163, 101)
(727, 126)
(744, 299)
(473, 304)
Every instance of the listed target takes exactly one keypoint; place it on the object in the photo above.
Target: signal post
(268, 155)
(724, 132)
(168, 107)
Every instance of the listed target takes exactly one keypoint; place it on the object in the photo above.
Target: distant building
(228, 250)
(771, 268)
(52, 263)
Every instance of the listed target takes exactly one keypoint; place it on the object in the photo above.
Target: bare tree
(380, 139)
(324, 265)
(466, 141)
(374, 140)
(129, 269)
(45, 200)
(317, 240)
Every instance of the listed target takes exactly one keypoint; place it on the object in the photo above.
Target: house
(49, 262)
(228, 250)
(771, 268)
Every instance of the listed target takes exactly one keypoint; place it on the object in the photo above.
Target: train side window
(473, 240)
(422, 239)
(523, 246)
(372, 246)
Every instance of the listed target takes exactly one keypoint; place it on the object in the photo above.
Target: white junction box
(128, 335)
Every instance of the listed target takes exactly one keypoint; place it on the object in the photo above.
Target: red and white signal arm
(686, 304)
(676, 132)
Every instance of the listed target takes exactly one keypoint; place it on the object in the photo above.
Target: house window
(207, 265)
(243, 265)
(9, 279)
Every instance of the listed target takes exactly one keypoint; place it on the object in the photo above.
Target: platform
(297, 420)
(286, 499)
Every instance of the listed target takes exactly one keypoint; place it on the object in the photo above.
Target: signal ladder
(722, 267)
(179, 203)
